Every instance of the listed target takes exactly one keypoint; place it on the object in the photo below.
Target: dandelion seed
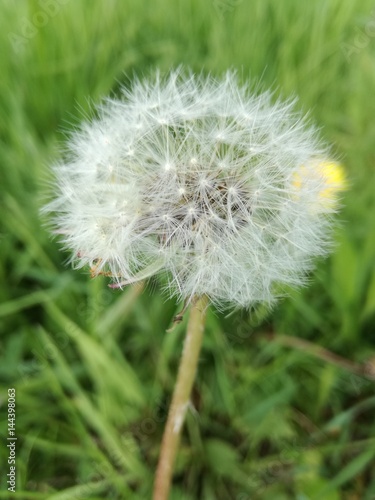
(225, 193)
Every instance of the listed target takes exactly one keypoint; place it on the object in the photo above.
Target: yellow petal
(330, 174)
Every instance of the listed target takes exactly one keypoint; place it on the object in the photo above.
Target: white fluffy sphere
(197, 178)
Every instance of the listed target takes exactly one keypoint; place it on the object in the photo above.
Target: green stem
(181, 398)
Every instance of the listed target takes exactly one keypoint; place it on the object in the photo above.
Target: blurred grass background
(277, 414)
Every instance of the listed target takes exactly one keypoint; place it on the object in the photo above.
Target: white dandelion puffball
(223, 192)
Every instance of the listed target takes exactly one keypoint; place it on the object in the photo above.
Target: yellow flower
(331, 178)
(335, 179)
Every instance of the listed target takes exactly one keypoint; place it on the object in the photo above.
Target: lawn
(283, 404)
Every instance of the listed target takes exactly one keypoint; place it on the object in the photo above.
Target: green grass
(94, 368)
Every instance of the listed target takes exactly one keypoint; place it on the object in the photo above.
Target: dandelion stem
(181, 397)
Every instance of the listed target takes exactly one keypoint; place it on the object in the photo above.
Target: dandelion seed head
(222, 191)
